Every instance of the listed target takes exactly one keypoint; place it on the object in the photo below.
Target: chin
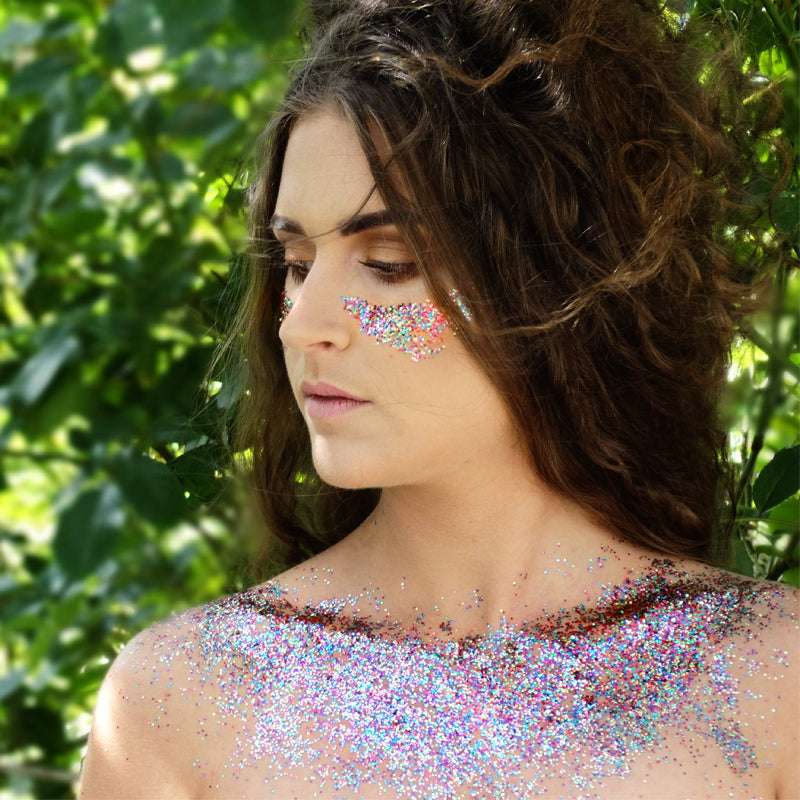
(342, 476)
(343, 483)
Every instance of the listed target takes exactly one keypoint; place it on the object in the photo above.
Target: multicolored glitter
(286, 306)
(413, 328)
(465, 310)
(555, 706)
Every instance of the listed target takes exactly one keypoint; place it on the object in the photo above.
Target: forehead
(325, 178)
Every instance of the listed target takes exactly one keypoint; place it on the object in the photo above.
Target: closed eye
(392, 271)
(298, 270)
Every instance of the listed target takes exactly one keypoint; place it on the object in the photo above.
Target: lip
(325, 401)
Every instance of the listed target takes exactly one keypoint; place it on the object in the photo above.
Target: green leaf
(38, 76)
(779, 480)
(130, 26)
(171, 168)
(151, 488)
(786, 515)
(187, 25)
(768, 549)
(17, 33)
(147, 111)
(44, 726)
(263, 20)
(36, 141)
(38, 372)
(88, 530)
(753, 22)
(792, 577)
(786, 210)
(223, 69)
(66, 399)
(11, 681)
(197, 470)
(212, 122)
(59, 27)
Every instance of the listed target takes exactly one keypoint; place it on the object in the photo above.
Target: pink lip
(324, 401)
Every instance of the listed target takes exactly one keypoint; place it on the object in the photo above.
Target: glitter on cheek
(412, 328)
(286, 306)
(465, 310)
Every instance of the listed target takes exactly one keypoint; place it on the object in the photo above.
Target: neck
(516, 545)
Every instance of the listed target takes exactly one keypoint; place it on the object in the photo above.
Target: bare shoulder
(776, 679)
(776, 603)
(761, 616)
(138, 743)
(767, 656)
(176, 707)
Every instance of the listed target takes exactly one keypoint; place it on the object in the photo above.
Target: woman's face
(390, 395)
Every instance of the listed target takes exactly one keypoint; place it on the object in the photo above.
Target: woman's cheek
(416, 329)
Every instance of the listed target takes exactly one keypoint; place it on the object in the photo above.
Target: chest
(309, 712)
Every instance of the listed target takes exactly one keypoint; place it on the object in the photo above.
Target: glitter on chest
(365, 704)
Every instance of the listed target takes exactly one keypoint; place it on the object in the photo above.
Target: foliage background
(121, 132)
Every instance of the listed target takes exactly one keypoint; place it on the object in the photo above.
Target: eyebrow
(363, 222)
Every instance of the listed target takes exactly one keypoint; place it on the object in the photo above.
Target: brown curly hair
(582, 170)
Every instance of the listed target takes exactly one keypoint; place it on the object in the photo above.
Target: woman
(490, 306)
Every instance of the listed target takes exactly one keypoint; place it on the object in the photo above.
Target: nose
(315, 316)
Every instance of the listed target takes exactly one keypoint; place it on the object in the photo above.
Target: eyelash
(392, 271)
(386, 271)
(297, 269)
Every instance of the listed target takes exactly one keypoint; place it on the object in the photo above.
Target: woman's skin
(458, 496)
(464, 534)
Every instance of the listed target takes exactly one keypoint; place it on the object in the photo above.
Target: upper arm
(136, 748)
(785, 668)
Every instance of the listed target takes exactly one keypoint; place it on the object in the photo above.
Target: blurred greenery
(122, 126)
(121, 138)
